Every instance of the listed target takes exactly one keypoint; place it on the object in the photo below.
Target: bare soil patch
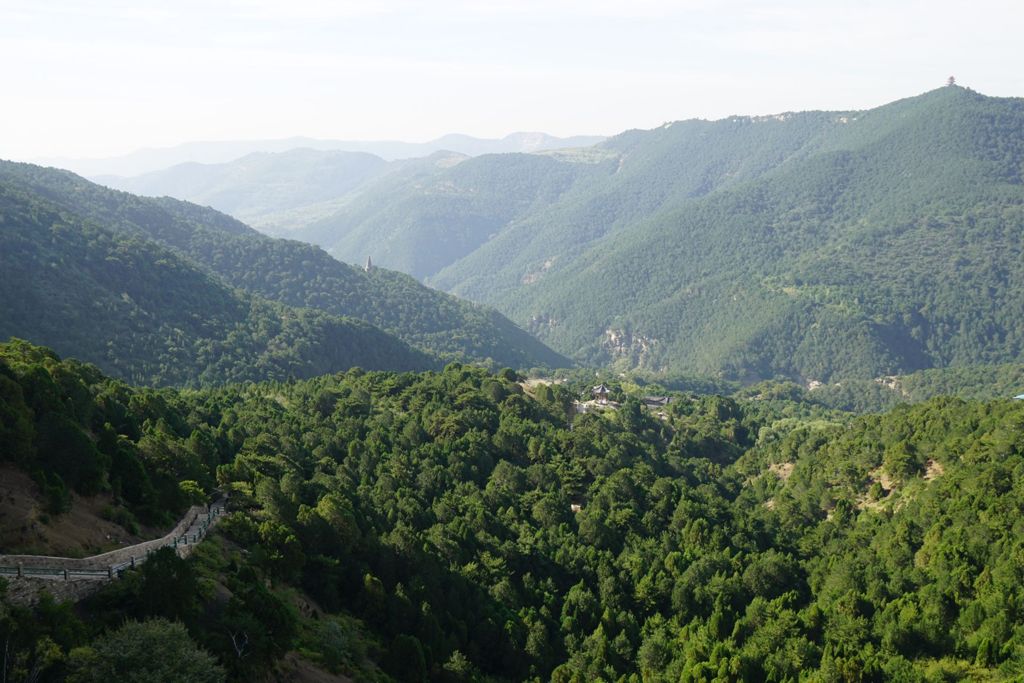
(933, 469)
(294, 668)
(782, 470)
(26, 528)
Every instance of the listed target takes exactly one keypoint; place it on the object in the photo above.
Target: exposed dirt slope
(25, 527)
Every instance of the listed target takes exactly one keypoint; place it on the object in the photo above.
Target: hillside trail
(190, 530)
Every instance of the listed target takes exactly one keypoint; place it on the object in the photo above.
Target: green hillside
(448, 526)
(649, 171)
(294, 273)
(298, 274)
(820, 246)
(969, 382)
(143, 313)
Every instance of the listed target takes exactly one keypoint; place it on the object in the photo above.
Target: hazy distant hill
(431, 215)
(524, 214)
(291, 272)
(261, 183)
(155, 159)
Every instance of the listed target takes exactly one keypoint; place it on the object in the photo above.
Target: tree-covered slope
(645, 172)
(856, 245)
(294, 273)
(143, 313)
(298, 274)
(450, 526)
(973, 382)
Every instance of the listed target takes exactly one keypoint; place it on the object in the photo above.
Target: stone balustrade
(189, 531)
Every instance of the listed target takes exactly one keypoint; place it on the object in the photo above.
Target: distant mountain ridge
(810, 245)
(431, 216)
(807, 245)
(261, 183)
(216, 152)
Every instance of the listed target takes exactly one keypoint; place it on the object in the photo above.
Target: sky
(98, 78)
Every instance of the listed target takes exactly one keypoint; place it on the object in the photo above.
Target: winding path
(189, 531)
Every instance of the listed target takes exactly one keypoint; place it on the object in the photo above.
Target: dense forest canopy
(462, 525)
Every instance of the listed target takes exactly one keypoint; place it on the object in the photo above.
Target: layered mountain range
(224, 151)
(816, 245)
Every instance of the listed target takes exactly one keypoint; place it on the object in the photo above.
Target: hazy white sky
(104, 77)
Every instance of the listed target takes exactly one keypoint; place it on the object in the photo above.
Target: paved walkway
(190, 530)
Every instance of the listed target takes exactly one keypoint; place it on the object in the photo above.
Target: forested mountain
(450, 526)
(147, 315)
(289, 272)
(551, 205)
(891, 243)
(816, 246)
